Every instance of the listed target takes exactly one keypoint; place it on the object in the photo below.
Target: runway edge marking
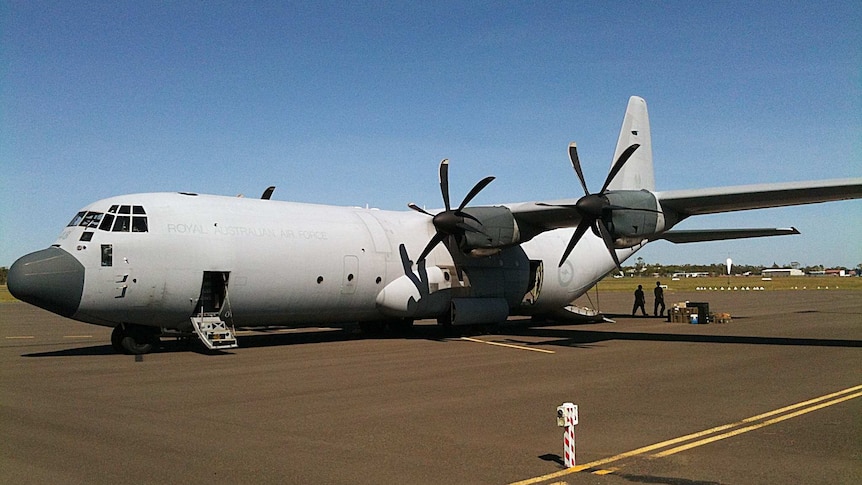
(845, 395)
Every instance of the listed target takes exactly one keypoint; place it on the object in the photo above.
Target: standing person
(639, 301)
(659, 299)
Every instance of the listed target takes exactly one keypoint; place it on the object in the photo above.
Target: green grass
(691, 284)
(5, 296)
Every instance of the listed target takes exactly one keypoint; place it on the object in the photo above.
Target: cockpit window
(92, 219)
(122, 224)
(107, 222)
(77, 219)
(133, 218)
(139, 224)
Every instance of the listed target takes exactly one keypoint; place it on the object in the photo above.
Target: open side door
(212, 319)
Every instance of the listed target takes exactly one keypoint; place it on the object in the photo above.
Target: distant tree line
(717, 269)
(3, 272)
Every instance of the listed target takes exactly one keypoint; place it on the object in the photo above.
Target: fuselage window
(113, 209)
(77, 219)
(122, 224)
(107, 222)
(125, 209)
(139, 224)
(107, 255)
(86, 237)
(138, 210)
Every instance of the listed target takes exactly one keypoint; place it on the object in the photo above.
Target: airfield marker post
(567, 418)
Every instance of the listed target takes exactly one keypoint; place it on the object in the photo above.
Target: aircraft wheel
(372, 328)
(402, 326)
(117, 339)
(136, 339)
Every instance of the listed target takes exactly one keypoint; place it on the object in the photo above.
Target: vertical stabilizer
(638, 171)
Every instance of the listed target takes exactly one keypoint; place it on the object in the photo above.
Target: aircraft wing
(536, 217)
(702, 235)
(727, 199)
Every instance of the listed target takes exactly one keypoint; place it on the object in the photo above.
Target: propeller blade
(467, 215)
(579, 232)
(437, 239)
(444, 182)
(419, 209)
(609, 243)
(474, 191)
(618, 165)
(576, 163)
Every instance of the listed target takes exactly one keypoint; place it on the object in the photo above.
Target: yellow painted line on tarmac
(20, 337)
(746, 429)
(519, 347)
(812, 405)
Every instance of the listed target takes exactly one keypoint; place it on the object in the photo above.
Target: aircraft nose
(51, 279)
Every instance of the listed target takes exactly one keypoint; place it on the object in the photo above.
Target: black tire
(402, 326)
(372, 328)
(138, 340)
(117, 339)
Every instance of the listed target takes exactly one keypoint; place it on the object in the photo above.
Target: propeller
(594, 208)
(451, 223)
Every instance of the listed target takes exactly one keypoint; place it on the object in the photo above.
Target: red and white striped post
(567, 418)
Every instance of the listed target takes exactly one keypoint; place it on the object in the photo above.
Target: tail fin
(638, 171)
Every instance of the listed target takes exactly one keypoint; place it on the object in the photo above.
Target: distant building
(779, 272)
(690, 275)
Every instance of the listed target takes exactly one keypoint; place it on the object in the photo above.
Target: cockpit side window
(139, 224)
(122, 224)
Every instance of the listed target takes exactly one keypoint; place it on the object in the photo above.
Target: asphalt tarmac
(771, 397)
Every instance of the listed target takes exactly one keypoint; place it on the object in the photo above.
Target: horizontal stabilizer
(678, 237)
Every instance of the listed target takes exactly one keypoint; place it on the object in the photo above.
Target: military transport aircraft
(158, 264)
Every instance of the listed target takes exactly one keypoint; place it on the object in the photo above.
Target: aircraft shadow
(559, 336)
(275, 337)
(580, 338)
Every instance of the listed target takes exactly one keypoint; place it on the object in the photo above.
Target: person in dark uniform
(639, 301)
(659, 299)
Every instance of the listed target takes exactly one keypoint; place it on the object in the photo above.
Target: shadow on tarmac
(563, 337)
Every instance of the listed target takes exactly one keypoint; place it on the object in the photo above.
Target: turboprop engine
(495, 228)
(635, 218)
(476, 231)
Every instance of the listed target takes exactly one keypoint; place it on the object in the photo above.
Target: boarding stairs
(214, 332)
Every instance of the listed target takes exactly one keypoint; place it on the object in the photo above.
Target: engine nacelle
(498, 230)
(629, 225)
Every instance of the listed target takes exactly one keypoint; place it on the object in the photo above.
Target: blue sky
(355, 103)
